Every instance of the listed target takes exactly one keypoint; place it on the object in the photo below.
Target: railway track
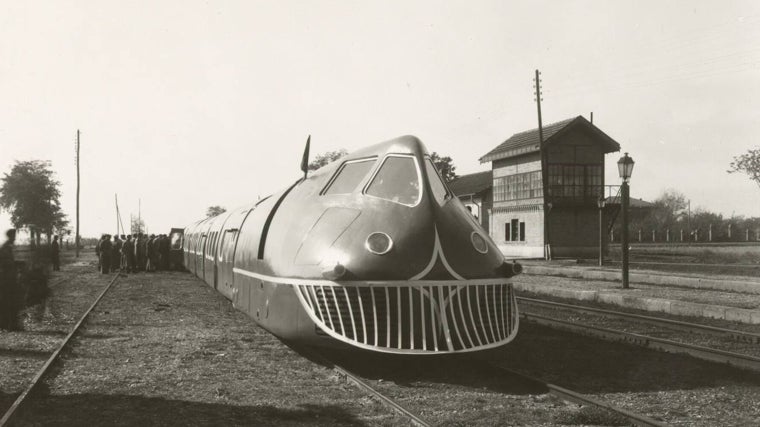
(43, 371)
(575, 397)
(382, 398)
(739, 360)
(562, 393)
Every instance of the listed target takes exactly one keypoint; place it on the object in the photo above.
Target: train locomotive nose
(412, 227)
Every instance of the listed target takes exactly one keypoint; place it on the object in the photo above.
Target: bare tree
(214, 211)
(445, 166)
(748, 163)
(326, 158)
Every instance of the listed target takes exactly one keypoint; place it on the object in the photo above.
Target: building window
(575, 181)
(514, 231)
(519, 186)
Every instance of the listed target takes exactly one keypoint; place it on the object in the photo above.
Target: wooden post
(76, 238)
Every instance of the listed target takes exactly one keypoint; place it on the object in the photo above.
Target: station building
(527, 217)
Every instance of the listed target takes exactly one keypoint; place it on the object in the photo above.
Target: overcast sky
(187, 104)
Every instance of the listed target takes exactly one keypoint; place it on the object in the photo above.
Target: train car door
(176, 238)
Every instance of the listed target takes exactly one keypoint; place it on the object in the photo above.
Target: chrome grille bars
(414, 317)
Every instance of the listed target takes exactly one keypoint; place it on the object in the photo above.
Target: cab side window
(349, 177)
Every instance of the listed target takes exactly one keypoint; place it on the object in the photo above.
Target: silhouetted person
(55, 254)
(97, 250)
(10, 289)
(164, 249)
(140, 252)
(151, 253)
(116, 253)
(128, 249)
(105, 254)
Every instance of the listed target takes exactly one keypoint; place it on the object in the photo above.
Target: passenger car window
(436, 184)
(397, 180)
(349, 177)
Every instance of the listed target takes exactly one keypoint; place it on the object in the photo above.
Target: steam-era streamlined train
(372, 251)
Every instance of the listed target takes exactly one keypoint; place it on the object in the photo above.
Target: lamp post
(600, 203)
(625, 169)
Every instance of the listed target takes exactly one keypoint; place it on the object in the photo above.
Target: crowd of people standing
(127, 254)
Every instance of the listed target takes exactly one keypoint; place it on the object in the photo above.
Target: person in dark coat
(139, 252)
(164, 249)
(97, 249)
(55, 254)
(122, 257)
(105, 254)
(152, 252)
(146, 239)
(10, 289)
(128, 249)
(116, 253)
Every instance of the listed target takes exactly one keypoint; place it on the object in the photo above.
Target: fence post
(729, 231)
(667, 235)
(639, 235)
(682, 235)
(653, 236)
(709, 234)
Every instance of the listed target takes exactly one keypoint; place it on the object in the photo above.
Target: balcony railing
(583, 194)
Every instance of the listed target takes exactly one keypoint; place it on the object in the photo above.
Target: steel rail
(689, 264)
(658, 321)
(385, 400)
(669, 346)
(575, 397)
(51, 360)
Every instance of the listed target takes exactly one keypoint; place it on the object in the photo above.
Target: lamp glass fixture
(625, 167)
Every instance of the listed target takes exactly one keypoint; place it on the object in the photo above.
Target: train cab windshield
(436, 183)
(397, 180)
(349, 177)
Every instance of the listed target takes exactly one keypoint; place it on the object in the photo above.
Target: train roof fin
(305, 159)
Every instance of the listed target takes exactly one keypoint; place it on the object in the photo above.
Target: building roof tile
(528, 141)
(473, 183)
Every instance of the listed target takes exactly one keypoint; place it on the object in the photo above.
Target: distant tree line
(671, 216)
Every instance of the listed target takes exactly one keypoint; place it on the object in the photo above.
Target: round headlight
(478, 242)
(379, 243)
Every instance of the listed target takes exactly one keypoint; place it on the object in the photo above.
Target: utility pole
(544, 169)
(118, 216)
(116, 203)
(76, 238)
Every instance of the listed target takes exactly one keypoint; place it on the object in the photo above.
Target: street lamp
(601, 203)
(625, 169)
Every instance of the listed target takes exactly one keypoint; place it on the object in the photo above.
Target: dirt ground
(164, 349)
